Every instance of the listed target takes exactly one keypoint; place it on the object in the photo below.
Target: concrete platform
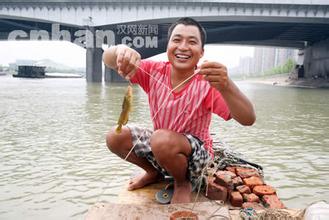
(141, 204)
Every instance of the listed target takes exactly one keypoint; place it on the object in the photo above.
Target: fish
(126, 108)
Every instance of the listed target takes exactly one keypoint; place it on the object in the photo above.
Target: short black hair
(189, 21)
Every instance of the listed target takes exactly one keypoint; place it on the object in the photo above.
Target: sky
(74, 56)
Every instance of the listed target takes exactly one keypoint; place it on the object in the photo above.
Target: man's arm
(240, 107)
(123, 59)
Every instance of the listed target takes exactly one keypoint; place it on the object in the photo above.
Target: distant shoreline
(47, 75)
(288, 81)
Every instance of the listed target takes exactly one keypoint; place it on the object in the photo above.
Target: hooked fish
(126, 108)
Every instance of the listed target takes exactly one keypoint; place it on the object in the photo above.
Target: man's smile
(181, 56)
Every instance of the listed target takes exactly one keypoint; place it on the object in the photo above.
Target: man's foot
(143, 180)
(182, 193)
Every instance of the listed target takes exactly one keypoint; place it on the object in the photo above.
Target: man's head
(189, 21)
(186, 39)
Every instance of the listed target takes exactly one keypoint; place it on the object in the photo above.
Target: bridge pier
(94, 64)
(93, 57)
(316, 60)
(112, 76)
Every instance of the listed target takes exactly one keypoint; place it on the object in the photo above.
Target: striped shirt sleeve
(142, 75)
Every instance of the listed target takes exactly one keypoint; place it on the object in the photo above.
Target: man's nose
(183, 45)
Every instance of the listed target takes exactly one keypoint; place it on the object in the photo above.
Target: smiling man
(182, 96)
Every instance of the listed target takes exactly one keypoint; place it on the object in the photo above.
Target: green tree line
(287, 67)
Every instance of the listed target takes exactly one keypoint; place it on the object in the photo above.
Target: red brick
(273, 202)
(224, 178)
(263, 190)
(246, 172)
(250, 197)
(254, 205)
(215, 191)
(226, 172)
(243, 189)
(253, 181)
(237, 181)
(232, 169)
(236, 199)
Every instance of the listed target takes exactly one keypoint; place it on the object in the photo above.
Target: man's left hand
(216, 74)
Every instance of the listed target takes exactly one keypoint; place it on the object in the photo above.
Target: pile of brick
(242, 187)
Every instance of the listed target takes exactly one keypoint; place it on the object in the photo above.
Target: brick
(254, 205)
(236, 199)
(250, 197)
(263, 190)
(246, 172)
(273, 202)
(237, 181)
(215, 191)
(231, 169)
(253, 181)
(243, 189)
(224, 178)
(226, 172)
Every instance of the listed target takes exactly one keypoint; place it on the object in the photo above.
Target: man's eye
(175, 40)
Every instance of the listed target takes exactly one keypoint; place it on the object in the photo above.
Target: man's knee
(166, 144)
(116, 142)
(161, 141)
(160, 138)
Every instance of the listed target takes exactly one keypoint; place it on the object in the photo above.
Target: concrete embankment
(289, 80)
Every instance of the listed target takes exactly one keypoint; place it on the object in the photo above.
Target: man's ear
(202, 53)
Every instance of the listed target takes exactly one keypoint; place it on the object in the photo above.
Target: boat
(27, 71)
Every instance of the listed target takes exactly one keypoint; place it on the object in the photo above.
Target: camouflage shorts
(196, 161)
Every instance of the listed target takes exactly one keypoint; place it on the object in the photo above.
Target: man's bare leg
(121, 144)
(171, 151)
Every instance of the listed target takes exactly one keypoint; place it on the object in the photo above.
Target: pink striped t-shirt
(187, 111)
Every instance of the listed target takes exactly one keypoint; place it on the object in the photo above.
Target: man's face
(185, 47)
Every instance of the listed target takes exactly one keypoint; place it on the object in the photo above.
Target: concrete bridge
(302, 24)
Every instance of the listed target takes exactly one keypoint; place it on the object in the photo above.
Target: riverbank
(290, 80)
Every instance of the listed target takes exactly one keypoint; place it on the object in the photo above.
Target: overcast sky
(75, 56)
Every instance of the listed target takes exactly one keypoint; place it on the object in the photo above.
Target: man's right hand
(123, 59)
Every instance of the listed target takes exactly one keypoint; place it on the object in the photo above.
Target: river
(54, 163)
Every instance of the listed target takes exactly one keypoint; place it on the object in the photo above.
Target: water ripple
(54, 162)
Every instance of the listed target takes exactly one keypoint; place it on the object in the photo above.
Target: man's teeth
(181, 56)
